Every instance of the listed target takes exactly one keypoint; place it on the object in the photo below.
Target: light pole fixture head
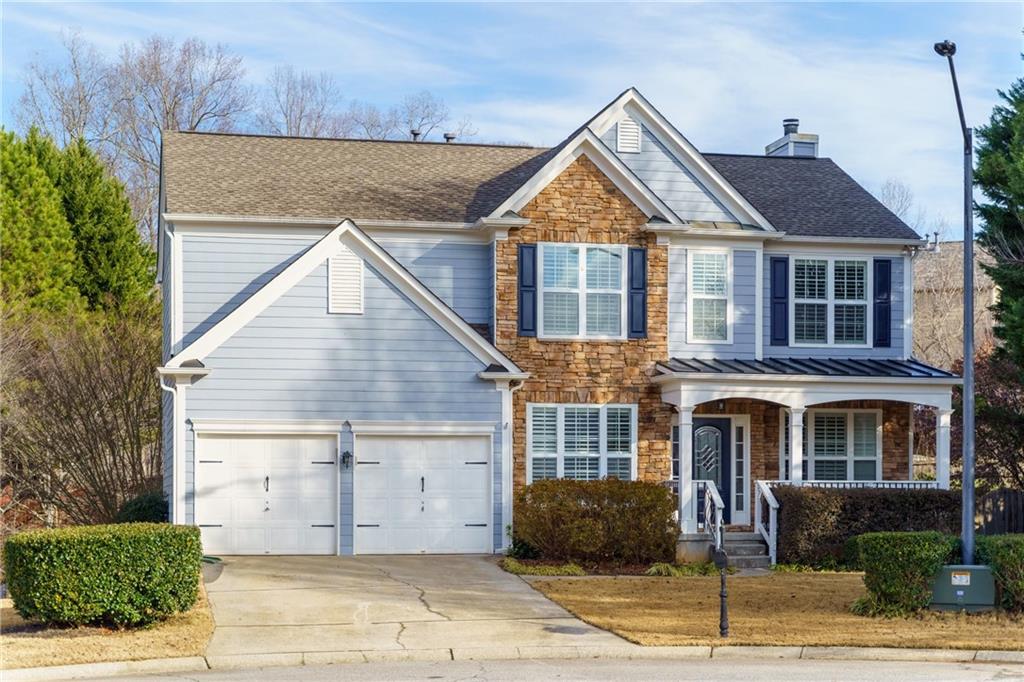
(947, 48)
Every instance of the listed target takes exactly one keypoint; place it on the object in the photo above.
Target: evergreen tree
(37, 256)
(1000, 174)
(112, 265)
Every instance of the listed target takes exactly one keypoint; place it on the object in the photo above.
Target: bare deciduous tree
(302, 104)
(160, 86)
(81, 429)
(72, 99)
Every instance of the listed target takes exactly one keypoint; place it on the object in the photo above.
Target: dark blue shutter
(779, 278)
(527, 289)
(637, 311)
(883, 303)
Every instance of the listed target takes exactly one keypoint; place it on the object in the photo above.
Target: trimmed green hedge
(899, 569)
(815, 524)
(121, 574)
(146, 508)
(1005, 554)
(607, 521)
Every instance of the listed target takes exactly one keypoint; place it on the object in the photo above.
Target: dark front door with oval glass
(711, 460)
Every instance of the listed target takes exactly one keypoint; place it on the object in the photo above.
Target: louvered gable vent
(629, 135)
(345, 283)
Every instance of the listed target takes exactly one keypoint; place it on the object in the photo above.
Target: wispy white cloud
(862, 76)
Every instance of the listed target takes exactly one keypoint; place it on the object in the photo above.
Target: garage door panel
(433, 487)
(266, 493)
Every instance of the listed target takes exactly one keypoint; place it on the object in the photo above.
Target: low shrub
(1005, 554)
(519, 568)
(899, 569)
(148, 507)
(815, 524)
(122, 574)
(600, 522)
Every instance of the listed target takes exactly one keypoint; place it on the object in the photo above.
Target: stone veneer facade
(583, 206)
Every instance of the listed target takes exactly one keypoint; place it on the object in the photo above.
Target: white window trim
(809, 417)
(560, 453)
(729, 309)
(581, 292)
(830, 302)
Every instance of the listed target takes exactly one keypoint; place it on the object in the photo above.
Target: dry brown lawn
(28, 645)
(785, 609)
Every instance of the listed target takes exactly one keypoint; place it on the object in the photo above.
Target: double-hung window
(709, 297)
(582, 291)
(583, 442)
(830, 302)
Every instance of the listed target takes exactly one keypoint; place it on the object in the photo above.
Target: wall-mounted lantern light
(346, 459)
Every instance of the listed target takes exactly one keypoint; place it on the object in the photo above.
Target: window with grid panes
(709, 296)
(583, 442)
(582, 290)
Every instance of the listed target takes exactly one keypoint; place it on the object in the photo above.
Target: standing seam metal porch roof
(829, 367)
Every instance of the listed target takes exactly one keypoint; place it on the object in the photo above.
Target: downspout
(176, 515)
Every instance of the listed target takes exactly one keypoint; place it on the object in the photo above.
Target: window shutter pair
(882, 303)
(636, 294)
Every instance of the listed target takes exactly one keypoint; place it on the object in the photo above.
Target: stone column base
(693, 548)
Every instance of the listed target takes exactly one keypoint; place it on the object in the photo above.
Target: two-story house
(370, 346)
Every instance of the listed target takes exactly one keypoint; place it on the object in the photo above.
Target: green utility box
(964, 588)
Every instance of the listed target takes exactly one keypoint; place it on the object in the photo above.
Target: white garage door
(426, 494)
(267, 494)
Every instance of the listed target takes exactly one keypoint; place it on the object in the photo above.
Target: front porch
(742, 428)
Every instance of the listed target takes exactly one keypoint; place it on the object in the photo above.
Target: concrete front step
(743, 536)
(750, 561)
(746, 549)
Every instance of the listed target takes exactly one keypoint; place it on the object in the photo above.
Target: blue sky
(863, 76)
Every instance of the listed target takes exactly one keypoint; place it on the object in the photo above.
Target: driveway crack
(398, 637)
(422, 596)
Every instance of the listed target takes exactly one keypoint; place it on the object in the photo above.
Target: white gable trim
(348, 234)
(586, 143)
(632, 104)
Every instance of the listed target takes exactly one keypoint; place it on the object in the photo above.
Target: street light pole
(947, 49)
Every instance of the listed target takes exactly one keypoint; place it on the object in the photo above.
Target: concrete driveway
(267, 606)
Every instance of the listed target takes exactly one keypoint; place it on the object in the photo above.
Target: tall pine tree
(113, 267)
(1000, 175)
(37, 250)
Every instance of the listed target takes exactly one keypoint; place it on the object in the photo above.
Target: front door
(711, 459)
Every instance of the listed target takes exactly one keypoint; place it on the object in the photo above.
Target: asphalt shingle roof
(809, 197)
(254, 175)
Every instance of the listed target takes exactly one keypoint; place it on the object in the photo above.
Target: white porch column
(687, 512)
(942, 423)
(796, 444)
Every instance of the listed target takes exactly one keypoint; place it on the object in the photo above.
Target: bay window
(582, 291)
(830, 302)
(582, 442)
(709, 297)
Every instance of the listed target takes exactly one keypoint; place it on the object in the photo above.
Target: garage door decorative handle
(266, 483)
(422, 484)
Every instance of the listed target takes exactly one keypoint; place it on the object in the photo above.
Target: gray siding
(221, 272)
(670, 180)
(296, 361)
(166, 440)
(895, 350)
(744, 299)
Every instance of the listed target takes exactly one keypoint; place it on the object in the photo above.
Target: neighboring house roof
(831, 367)
(943, 270)
(255, 175)
(810, 197)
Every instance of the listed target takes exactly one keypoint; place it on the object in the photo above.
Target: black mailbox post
(722, 564)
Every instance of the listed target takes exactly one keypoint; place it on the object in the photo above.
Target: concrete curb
(624, 651)
(94, 670)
